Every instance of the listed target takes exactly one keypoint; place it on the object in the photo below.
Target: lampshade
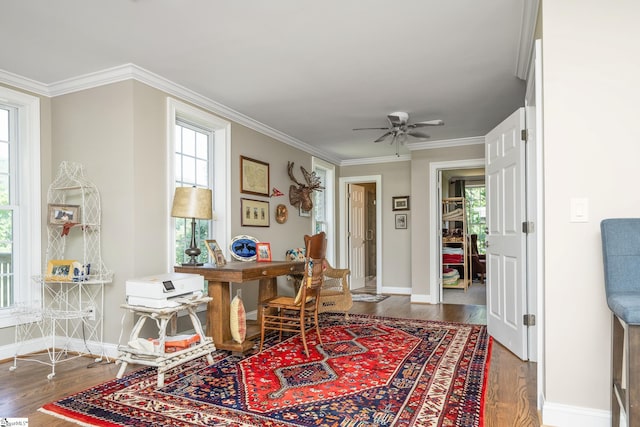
(192, 202)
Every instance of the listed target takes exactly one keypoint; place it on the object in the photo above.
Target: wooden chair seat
(297, 314)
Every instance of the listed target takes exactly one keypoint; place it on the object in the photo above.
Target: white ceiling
(312, 70)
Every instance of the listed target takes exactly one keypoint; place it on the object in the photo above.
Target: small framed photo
(61, 214)
(263, 252)
(401, 221)
(401, 203)
(215, 251)
(60, 270)
(304, 213)
(254, 177)
(254, 213)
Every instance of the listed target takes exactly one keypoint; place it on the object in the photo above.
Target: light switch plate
(579, 210)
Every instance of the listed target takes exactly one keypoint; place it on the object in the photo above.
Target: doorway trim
(435, 197)
(343, 203)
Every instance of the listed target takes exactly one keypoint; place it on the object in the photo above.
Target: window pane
(202, 173)
(4, 190)
(4, 124)
(202, 145)
(4, 157)
(188, 142)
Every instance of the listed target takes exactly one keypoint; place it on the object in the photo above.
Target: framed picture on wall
(400, 203)
(401, 221)
(254, 213)
(254, 177)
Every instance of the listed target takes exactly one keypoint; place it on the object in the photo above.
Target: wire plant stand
(68, 320)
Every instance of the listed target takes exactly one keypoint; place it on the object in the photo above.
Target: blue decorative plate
(243, 248)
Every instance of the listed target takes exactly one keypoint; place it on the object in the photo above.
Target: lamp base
(192, 264)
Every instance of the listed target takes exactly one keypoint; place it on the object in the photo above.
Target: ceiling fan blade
(426, 123)
(383, 137)
(370, 128)
(418, 134)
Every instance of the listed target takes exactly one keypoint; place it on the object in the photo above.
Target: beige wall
(396, 244)
(420, 201)
(591, 150)
(118, 132)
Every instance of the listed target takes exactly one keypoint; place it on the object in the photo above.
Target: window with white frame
(323, 204)
(19, 201)
(198, 147)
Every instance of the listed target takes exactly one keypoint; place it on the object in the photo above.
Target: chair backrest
(621, 254)
(315, 251)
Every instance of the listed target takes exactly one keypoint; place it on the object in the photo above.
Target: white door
(506, 195)
(356, 236)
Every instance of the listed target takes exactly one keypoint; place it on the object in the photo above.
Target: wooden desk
(218, 309)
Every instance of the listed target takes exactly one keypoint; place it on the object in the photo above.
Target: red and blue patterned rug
(369, 371)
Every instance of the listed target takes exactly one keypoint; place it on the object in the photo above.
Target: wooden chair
(296, 314)
(335, 295)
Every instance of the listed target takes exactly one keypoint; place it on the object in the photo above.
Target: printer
(163, 290)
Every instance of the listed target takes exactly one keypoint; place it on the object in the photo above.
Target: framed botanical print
(254, 213)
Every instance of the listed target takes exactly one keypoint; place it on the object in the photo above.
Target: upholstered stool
(621, 256)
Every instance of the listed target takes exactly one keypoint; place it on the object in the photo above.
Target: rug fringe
(62, 417)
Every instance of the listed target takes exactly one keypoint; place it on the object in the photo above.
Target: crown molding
(24, 83)
(134, 72)
(376, 160)
(527, 34)
(445, 143)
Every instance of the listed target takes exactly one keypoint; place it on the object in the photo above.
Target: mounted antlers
(300, 196)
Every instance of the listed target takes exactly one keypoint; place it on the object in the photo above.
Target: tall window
(476, 213)
(7, 204)
(198, 156)
(193, 146)
(20, 200)
(323, 205)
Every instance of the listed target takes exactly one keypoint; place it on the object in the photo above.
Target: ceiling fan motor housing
(398, 118)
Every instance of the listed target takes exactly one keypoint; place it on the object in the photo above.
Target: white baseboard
(560, 415)
(396, 290)
(75, 345)
(421, 299)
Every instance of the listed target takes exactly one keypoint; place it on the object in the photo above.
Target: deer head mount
(300, 196)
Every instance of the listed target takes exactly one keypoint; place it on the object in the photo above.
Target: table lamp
(194, 203)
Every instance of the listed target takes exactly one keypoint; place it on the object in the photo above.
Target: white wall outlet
(91, 312)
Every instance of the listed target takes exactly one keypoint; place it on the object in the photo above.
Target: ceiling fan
(399, 128)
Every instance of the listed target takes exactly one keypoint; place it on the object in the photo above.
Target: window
(476, 214)
(19, 201)
(323, 204)
(198, 156)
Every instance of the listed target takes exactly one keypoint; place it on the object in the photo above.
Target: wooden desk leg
(218, 313)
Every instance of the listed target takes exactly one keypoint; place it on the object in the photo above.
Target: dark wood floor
(510, 399)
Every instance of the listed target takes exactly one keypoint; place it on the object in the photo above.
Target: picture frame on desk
(60, 214)
(263, 252)
(215, 251)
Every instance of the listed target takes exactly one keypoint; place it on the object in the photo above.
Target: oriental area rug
(369, 371)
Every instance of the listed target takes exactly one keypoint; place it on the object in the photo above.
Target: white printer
(163, 290)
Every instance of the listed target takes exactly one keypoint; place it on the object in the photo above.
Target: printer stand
(159, 358)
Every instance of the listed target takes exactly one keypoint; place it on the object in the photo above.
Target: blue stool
(621, 255)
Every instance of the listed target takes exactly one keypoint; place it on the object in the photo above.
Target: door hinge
(529, 319)
(527, 227)
(524, 135)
